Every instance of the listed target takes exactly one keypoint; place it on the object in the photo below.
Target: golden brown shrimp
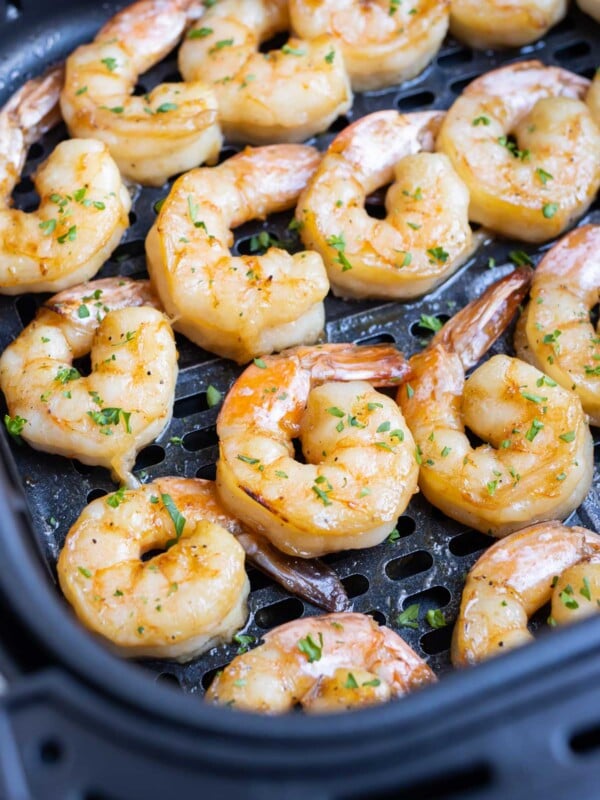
(425, 236)
(519, 575)
(331, 663)
(555, 332)
(525, 144)
(83, 207)
(360, 469)
(284, 95)
(593, 98)
(591, 7)
(106, 417)
(504, 23)
(384, 42)
(169, 130)
(239, 307)
(538, 464)
(177, 604)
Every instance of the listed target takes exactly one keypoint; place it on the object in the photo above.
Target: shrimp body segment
(591, 7)
(360, 469)
(169, 130)
(525, 144)
(330, 663)
(593, 97)
(555, 332)
(519, 575)
(382, 44)
(103, 418)
(504, 23)
(244, 306)
(284, 95)
(537, 460)
(83, 202)
(425, 236)
(177, 604)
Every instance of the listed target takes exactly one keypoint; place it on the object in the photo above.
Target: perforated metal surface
(427, 563)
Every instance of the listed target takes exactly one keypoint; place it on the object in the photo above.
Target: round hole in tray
(278, 613)
(51, 751)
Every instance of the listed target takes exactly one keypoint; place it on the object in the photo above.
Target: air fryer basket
(425, 565)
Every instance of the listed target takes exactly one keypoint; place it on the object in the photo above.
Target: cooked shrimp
(519, 575)
(83, 208)
(331, 663)
(538, 464)
(593, 98)
(106, 417)
(591, 7)
(284, 95)
(177, 604)
(524, 142)
(169, 130)
(383, 42)
(238, 307)
(555, 332)
(504, 23)
(425, 236)
(360, 469)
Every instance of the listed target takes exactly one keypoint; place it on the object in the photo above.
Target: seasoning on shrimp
(83, 202)
(237, 306)
(170, 129)
(106, 417)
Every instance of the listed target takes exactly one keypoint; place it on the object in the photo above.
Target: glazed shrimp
(591, 7)
(526, 146)
(169, 130)
(504, 23)
(593, 98)
(360, 469)
(177, 604)
(555, 333)
(383, 42)
(425, 236)
(83, 208)
(331, 663)
(519, 575)
(126, 401)
(284, 95)
(538, 464)
(238, 307)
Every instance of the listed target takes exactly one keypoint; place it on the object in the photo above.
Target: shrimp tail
(109, 293)
(379, 365)
(311, 580)
(34, 108)
(474, 329)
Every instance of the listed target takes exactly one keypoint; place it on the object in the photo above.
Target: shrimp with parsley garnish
(237, 306)
(384, 42)
(325, 664)
(555, 332)
(515, 578)
(536, 462)
(83, 203)
(285, 95)
(360, 469)
(170, 129)
(425, 236)
(525, 144)
(106, 417)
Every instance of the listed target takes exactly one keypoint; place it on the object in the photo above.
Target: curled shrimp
(245, 306)
(360, 469)
(103, 418)
(83, 203)
(331, 663)
(384, 42)
(425, 236)
(515, 578)
(176, 604)
(525, 144)
(504, 23)
(538, 464)
(284, 95)
(591, 7)
(555, 332)
(593, 98)
(169, 130)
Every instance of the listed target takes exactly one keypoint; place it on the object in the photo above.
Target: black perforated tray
(427, 564)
